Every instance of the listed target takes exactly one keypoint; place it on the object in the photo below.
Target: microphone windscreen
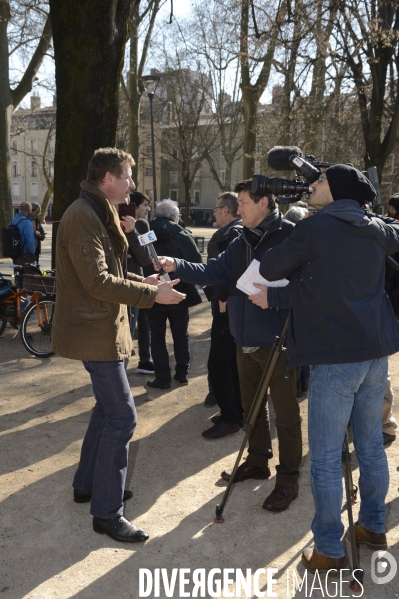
(278, 157)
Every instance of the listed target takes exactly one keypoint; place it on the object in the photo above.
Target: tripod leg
(356, 583)
(249, 424)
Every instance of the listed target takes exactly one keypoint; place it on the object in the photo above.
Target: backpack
(11, 241)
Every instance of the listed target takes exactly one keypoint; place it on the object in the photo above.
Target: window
(197, 177)
(49, 168)
(148, 193)
(15, 191)
(196, 197)
(174, 194)
(257, 166)
(222, 176)
(33, 146)
(175, 153)
(15, 146)
(50, 147)
(34, 191)
(259, 148)
(15, 169)
(174, 176)
(34, 168)
(148, 172)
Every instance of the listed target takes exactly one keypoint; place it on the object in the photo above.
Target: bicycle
(35, 315)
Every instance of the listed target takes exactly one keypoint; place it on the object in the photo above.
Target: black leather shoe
(183, 380)
(119, 529)
(280, 498)
(85, 496)
(221, 429)
(246, 471)
(157, 384)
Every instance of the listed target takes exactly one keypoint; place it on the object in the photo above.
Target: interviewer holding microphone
(342, 323)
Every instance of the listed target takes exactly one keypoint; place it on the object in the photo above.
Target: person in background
(21, 220)
(138, 258)
(38, 230)
(175, 240)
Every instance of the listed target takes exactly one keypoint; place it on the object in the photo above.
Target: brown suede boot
(374, 540)
(313, 560)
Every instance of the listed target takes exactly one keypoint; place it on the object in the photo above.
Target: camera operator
(341, 322)
(254, 330)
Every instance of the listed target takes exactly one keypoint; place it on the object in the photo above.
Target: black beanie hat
(347, 183)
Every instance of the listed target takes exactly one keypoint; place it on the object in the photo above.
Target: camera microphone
(278, 158)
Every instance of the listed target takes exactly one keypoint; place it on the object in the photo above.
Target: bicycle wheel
(36, 328)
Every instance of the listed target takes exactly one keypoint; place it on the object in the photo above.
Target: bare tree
(137, 61)
(368, 33)
(190, 127)
(11, 94)
(257, 50)
(218, 44)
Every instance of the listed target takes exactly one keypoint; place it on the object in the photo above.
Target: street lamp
(150, 84)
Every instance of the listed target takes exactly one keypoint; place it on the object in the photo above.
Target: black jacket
(174, 241)
(250, 325)
(339, 310)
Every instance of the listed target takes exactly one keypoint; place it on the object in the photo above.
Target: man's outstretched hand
(167, 295)
(168, 264)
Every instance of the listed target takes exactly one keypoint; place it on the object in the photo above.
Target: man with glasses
(342, 323)
(255, 321)
(222, 361)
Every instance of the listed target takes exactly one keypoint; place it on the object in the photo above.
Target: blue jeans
(339, 393)
(103, 460)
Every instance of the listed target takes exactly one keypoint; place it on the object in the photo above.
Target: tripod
(249, 424)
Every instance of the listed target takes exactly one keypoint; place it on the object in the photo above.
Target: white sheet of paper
(252, 275)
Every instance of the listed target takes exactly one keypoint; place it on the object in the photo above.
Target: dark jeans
(103, 459)
(143, 336)
(222, 368)
(178, 320)
(286, 407)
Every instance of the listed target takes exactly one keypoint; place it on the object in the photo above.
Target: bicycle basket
(39, 284)
(5, 287)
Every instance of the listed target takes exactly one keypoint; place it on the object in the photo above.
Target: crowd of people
(328, 261)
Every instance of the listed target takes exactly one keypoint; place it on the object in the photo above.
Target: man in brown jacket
(91, 324)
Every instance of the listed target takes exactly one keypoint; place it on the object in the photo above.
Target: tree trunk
(89, 45)
(249, 111)
(134, 99)
(5, 120)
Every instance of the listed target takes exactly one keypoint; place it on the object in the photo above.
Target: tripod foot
(219, 518)
(357, 583)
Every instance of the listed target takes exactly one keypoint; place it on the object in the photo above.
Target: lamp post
(150, 84)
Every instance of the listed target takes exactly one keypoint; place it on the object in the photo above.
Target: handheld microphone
(148, 239)
(278, 158)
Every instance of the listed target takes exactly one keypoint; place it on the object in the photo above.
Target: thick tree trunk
(89, 45)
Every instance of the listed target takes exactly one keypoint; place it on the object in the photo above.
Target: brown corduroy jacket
(91, 316)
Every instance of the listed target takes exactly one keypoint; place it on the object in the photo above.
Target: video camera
(288, 191)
